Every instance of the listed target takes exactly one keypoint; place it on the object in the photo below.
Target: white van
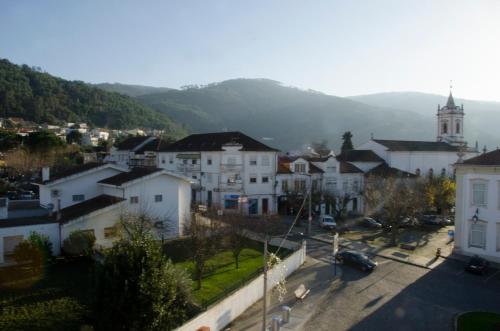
(327, 222)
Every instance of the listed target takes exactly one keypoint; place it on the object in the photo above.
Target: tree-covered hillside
(131, 90)
(289, 116)
(37, 96)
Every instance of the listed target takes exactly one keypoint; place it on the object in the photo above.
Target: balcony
(231, 167)
(188, 167)
(231, 186)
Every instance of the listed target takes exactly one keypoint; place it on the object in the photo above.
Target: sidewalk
(316, 275)
(424, 256)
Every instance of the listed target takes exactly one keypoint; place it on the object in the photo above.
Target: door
(253, 206)
(355, 204)
(265, 206)
(209, 199)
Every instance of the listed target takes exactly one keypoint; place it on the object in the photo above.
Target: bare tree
(395, 198)
(204, 235)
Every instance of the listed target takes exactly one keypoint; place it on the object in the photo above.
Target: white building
(231, 170)
(477, 210)
(93, 197)
(424, 157)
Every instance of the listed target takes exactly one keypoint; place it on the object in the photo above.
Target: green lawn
(222, 274)
(479, 321)
(54, 300)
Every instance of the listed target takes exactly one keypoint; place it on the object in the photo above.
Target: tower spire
(450, 104)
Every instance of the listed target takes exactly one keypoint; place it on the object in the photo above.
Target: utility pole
(310, 213)
(264, 322)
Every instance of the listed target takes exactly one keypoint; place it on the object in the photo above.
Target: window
(194, 161)
(314, 185)
(110, 232)
(231, 203)
(163, 160)
(253, 179)
(78, 197)
(284, 185)
(443, 172)
(209, 160)
(331, 169)
(158, 198)
(498, 237)
(417, 172)
(300, 167)
(209, 178)
(477, 235)
(479, 193)
(265, 160)
(134, 200)
(457, 127)
(300, 185)
(171, 159)
(265, 179)
(431, 172)
(444, 127)
(355, 185)
(184, 161)
(194, 177)
(253, 160)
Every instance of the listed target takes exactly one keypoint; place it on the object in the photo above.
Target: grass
(222, 273)
(479, 321)
(54, 299)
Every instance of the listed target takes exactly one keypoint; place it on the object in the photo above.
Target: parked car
(407, 222)
(477, 265)
(434, 220)
(370, 223)
(357, 260)
(295, 236)
(327, 222)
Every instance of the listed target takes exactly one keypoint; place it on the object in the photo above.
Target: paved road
(398, 296)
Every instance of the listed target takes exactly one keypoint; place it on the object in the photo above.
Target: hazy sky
(338, 47)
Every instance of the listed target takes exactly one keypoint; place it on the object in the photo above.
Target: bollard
(275, 323)
(285, 314)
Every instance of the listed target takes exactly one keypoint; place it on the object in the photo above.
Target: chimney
(45, 174)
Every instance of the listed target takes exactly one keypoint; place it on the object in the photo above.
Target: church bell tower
(450, 123)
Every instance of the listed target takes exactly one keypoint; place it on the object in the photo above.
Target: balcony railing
(231, 186)
(227, 167)
(189, 167)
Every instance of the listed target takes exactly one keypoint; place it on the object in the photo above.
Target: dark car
(357, 260)
(477, 265)
(370, 223)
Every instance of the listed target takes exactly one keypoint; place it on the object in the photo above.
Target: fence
(220, 314)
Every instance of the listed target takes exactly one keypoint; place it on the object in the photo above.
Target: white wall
(464, 210)
(222, 313)
(97, 221)
(80, 184)
(175, 204)
(51, 230)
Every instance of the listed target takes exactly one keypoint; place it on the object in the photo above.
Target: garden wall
(225, 311)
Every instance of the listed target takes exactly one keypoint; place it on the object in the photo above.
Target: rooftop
(126, 177)
(57, 174)
(487, 159)
(88, 206)
(348, 168)
(417, 146)
(383, 170)
(131, 142)
(359, 155)
(215, 141)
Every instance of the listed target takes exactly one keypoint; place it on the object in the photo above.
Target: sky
(341, 48)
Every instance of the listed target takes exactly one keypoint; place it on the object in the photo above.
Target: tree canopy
(347, 142)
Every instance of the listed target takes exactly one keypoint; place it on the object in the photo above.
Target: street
(398, 296)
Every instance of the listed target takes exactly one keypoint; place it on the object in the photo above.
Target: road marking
(487, 279)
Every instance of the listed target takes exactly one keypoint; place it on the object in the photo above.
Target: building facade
(477, 210)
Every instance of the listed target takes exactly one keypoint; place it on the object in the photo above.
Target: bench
(301, 292)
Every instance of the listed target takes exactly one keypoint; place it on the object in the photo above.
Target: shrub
(36, 250)
(79, 243)
(42, 242)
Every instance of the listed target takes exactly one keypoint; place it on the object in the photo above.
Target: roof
(88, 206)
(383, 170)
(283, 169)
(125, 177)
(487, 159)
(359, 155)
(417, 146)
(314, 169)
(62, 173)
(215, 141)
(154, 145)
(320, 158)
(13, 222)
(348, 168)
(131, 142)
(450, 104)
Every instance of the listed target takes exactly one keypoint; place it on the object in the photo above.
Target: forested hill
(131, 90)
(40, 97)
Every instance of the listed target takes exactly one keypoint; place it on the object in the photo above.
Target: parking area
(405, 297)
